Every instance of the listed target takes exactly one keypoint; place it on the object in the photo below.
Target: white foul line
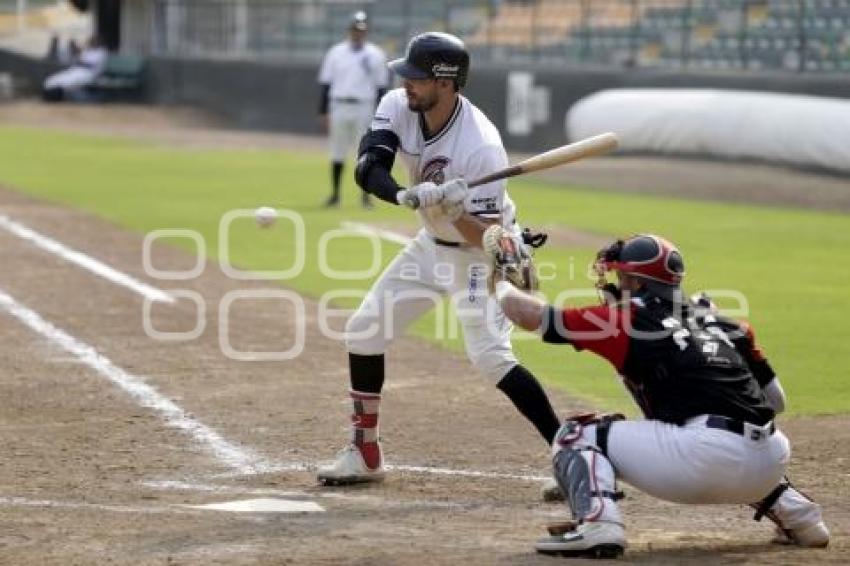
(24, 502)
(463, 473)
(308, 467)
(388, 235)
(86, 262)
(239, 459)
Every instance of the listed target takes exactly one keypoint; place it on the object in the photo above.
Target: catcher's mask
(656, 261)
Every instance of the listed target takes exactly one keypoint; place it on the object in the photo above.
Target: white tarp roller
(796, 129)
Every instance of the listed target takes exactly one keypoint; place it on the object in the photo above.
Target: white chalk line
(25, 502)
(387, 235)
(86, 262)
(242, 461)
(309, 467)
(464, 473)
(238, 459)
(321, 493)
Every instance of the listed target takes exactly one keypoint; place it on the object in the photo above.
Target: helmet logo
(445, 70)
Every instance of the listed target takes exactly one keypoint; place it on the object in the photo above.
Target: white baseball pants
(348, 122)
(415, 282)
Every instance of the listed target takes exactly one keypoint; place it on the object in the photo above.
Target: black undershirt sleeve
(375, 161)
(324, 98)
(380, 183)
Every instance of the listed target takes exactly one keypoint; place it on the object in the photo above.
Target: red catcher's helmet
(645, 255)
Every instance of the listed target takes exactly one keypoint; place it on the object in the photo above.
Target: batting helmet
(646, 256)
(434, 55)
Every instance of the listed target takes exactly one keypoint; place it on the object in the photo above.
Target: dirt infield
(96, 473)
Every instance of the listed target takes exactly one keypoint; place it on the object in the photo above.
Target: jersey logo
(434, 170)
(488, 203)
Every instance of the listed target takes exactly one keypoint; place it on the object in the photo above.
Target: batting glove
(422, 195)
(454, 195)
(454, 191)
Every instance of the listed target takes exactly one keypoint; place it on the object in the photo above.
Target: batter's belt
(348, 100)
(447, 243)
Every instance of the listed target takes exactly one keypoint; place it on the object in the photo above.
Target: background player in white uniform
(707, 391)
(71, 83)
(352, 78)
(440, 135)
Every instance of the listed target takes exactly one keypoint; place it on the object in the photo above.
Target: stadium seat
(122, 79)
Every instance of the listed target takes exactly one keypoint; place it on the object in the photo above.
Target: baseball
(265, 216)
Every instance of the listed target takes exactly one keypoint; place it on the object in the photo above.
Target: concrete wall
(28, 73)
(283, 96)
(253, 95)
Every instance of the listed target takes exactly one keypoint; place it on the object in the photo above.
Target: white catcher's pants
(696, 464)
(685, 464)
(347, 124)
(414, 283)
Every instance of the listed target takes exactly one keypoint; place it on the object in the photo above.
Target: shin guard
(585, 475)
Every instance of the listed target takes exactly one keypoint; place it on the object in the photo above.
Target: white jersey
(354, 74)
(469, 146)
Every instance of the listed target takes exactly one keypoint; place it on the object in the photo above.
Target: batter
(442, 139)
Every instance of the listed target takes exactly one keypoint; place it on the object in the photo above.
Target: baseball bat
(588, 147)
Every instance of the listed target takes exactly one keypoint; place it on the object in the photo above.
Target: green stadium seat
(122, 79)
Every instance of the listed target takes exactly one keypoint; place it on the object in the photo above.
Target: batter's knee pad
(583, 471)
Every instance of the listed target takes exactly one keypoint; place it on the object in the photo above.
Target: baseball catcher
(707, 392)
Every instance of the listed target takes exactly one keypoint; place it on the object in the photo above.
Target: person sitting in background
(71, 83)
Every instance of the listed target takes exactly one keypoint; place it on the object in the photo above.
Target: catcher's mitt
(511, 259)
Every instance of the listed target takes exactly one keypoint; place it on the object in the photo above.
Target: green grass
(790, 265)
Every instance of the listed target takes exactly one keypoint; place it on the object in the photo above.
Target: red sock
(364, 423)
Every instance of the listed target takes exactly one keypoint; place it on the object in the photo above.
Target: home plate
(263, 505)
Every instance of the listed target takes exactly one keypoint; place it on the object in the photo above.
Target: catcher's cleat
(586, 540)
(812, 536)
(350, 468)
(550, 491)
(561, 527)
